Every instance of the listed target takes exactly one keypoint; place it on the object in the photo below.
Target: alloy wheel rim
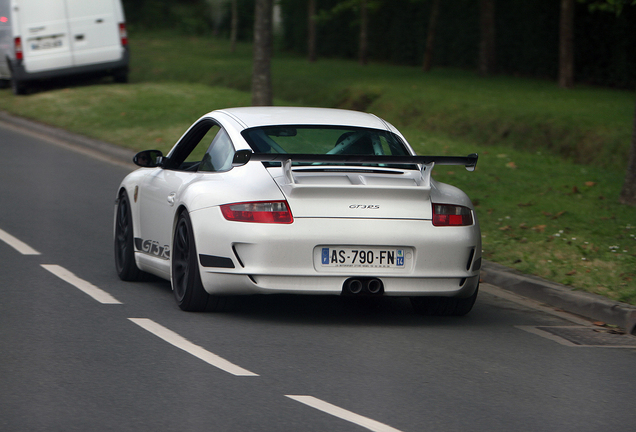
(122, 233)
(181, 257)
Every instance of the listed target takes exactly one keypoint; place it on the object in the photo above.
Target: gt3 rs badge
(363, 206)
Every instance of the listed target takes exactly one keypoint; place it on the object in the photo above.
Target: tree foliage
(615, 6)
(526, 36)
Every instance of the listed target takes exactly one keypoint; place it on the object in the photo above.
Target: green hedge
(527, 33)
(526, 37)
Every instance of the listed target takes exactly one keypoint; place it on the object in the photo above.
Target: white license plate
(363, 257)
(46, 43)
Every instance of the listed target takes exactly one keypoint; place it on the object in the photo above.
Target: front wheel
(186, 279)
(444, 306)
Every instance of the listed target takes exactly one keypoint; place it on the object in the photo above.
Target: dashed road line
(195, 350)
(84, 286)
(344, 414)
(16, 244)
(184, 344)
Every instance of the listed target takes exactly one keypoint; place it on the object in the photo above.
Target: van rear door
(95, 31)
(44, 35)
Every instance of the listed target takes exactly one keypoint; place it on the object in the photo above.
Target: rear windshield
(319, 140)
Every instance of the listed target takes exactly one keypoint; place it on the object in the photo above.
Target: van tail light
(123, 34)
(17, 43)
(259, 212)
(451, 215)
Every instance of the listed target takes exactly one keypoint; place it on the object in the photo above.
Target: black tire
(186, 279)
(444, 306)
(127, 269)
(17, 87)
(4, 83)
(120, 76)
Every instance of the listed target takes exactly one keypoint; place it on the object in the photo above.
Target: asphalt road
(81, 350)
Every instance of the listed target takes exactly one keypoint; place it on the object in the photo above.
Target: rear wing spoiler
(241, 157)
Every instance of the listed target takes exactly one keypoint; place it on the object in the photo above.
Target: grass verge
(540, 213)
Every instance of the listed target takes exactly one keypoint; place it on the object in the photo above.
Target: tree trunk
(311, 35)
(628, 193)
(364, 23)
(234, 24)
(261, 72)
(566, 44)
(487, 41)
(430, 38)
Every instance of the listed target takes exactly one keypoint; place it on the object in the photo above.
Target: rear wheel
(17, 87)
(124, 242)
(444, 306)
(120, 76)
(186, 279)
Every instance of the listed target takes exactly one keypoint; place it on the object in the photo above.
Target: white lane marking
(16, 244)
(195, 350)
(343, 414)
(88, 288)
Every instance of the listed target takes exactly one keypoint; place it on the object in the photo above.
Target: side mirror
(148, 158)
(241, 157)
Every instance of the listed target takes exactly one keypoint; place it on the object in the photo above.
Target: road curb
(106, 149)
(560, 296)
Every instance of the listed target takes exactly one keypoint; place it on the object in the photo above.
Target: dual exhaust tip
(363, 286)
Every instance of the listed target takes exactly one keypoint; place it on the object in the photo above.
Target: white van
(50, 38)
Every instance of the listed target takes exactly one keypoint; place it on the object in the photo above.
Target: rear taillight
(451, 215)
(17, 43)
(259, 212)
(123, 34)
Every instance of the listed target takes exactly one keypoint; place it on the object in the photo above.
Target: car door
(94, 31)
(160, 191)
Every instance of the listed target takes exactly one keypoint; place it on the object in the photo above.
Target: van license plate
(46, 43)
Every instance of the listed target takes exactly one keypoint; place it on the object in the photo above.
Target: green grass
(136, 116)
(540, 212)
(585, 125)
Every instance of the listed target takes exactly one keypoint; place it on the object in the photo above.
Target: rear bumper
(20, 74)
(262, 258)
(231, 284)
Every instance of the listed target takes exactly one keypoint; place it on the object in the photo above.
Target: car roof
(269, 116)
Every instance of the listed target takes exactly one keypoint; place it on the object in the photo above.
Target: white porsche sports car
(298, 200)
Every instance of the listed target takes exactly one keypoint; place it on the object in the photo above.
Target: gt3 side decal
(152, 247)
